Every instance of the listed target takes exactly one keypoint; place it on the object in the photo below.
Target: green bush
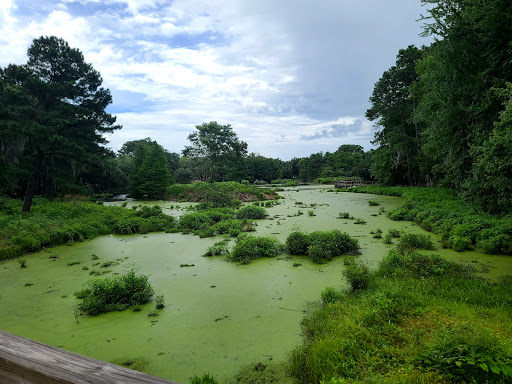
(330, 295)
(415, 241)
(322, 244)
(250, 247)
(251, 212)
(115, 293)
(372, 203)
(218, 249)
(463, 355)
(358, 276)
(205, 379)
(297, 243)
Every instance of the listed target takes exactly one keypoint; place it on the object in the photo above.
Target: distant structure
(348, 183)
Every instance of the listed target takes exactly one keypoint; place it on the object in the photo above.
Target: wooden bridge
(348, 183)
(30, 362)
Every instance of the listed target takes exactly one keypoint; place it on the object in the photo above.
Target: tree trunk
(31, 191)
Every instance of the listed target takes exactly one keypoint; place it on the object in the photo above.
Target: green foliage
(217, 149)
(160, 302)
(297, 243)
(330, 295)
(440, 211)
(205, 379)
(251, 212)
(218, 249)
(464, 355)
(415, 241)
(360, 220)
(214, 195)
(115, 293)
(372, 203)
(57, 222)
(56, 107)
(152, 178)
(409, 326)
(321, 245)
(358, 275)
(250, 247)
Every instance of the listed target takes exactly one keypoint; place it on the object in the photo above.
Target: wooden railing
(352, 183)
(26, 361)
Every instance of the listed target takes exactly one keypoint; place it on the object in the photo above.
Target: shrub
(394, 233)
(115, 293)
(321, 244)
(251, 212)
(415, 241)
(464, 355)
(205, 379)
(250, 247)
(330, 295)
(360, 221)
(218, 249)
(372, 203)
(358, 276)
(297, 243)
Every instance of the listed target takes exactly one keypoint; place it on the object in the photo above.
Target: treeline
(444, 112)
(147, 169)
(53, 127)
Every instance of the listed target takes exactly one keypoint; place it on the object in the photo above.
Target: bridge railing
(26, 361)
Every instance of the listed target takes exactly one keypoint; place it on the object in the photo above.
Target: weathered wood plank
(26, 361)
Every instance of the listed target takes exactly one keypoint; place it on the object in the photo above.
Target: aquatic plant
(359, 220)
(415, 241)
(311, 213)
(218, 249)
(205, 379)
(114, 293)
(160, 302)
(321, 244)
(330, 295)
(358, 275)
(251, 247)
(372, 203)
(22, 263)
(461, 225)
(251, 212)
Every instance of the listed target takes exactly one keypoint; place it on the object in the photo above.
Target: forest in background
(442, 113)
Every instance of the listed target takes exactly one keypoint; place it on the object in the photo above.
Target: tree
(458, 105)
(57, 121)
(153, 176)
(216, 149)
(392, 108)
(490, 184)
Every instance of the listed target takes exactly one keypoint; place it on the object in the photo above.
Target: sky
(292, 77)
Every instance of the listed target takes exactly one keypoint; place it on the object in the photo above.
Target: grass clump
(421, 319)
(251, 212)
(114, 293)
(249, 248)
(205, 379)
(322, 245)
(218, 249)
(372, 203)
(415, 241)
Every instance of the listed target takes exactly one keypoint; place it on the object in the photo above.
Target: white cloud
(282, 73)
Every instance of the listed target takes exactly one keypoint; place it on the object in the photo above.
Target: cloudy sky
(292, 77)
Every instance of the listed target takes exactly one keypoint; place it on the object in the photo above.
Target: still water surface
(219, 316)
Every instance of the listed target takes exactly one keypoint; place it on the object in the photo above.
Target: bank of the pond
(461, 225)
(219, 317)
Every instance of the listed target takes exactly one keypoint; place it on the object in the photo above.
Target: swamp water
(219, 317)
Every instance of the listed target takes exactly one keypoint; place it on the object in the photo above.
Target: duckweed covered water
(219, 316)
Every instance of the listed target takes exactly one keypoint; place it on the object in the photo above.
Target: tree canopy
(53, 120)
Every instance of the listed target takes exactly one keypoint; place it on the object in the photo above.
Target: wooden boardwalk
(348, 183)
(26, 361)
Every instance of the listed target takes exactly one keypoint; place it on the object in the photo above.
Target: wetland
(219, 317)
